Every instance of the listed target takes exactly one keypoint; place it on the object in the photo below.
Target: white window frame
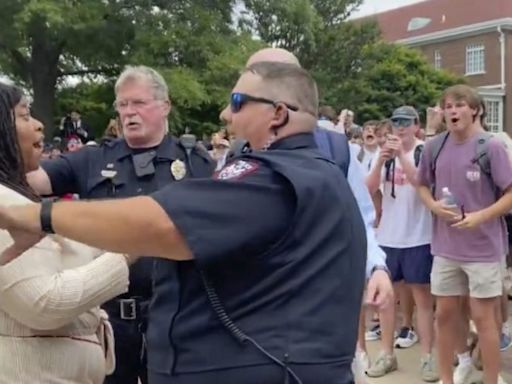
(438, 59)
(475, 59)
(494, 110)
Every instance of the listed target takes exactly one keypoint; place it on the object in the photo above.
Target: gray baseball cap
(405, 112)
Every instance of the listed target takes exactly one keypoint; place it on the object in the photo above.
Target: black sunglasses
(239, 99)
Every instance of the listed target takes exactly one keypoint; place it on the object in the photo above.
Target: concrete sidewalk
(409, 363)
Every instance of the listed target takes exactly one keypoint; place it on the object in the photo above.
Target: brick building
(472, 38)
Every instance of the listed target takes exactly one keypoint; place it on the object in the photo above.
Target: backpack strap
(417, 154)
(360, 155)
(482, 159)
(481, 156)
(436, 145)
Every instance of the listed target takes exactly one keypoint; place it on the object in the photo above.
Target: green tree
(389, 76)
(44, 41)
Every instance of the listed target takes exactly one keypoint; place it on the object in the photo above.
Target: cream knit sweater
(52, 292)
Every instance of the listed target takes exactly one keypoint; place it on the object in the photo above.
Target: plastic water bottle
(448, 198)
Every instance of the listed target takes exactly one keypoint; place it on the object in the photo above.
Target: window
(494, 110)
(437, 59)
(475, 59)
(418, 23)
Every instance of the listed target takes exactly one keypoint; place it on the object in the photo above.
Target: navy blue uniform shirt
(108, 171)
(279, 240)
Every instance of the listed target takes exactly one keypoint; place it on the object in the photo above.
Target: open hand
(471, 220)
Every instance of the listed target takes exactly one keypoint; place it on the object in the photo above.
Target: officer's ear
(167, 106)
(280, 118)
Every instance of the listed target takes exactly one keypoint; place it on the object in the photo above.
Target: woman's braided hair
(12, 170)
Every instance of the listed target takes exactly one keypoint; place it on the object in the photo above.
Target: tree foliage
(390, 76)
(70, 51)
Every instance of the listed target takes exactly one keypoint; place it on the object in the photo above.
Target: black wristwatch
(45, 216)
(381, 268)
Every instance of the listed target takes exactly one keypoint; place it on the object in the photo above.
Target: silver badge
(108, 174)
(178, 169)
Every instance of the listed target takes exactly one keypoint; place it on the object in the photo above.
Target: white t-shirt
(406, 222)
(369, 158)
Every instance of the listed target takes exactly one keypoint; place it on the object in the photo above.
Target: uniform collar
(167, 149)
(301, 140)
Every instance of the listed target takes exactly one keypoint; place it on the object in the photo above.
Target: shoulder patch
(237, 169)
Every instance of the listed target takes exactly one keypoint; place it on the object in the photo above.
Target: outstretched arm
(136, 226)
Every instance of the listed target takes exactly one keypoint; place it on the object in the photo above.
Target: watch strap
(46, 216)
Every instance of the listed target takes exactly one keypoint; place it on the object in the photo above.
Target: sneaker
(463, 372)
(383, 365)
(363, 360)
(429, 372)
(373, 334)
(501, 380)
(406, 338)
(360, 366)
(505, 342)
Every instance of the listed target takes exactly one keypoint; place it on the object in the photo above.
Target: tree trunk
(44, 75)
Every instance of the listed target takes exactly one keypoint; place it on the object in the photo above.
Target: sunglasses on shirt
(238, 100)
(406, 123)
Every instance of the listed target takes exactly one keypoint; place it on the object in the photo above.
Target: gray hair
(147, 75)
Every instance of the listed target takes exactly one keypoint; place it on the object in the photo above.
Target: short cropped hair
(147, 75)
(288, 83)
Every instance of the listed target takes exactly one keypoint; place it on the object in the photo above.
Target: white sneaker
(373, 334)
(501, 380)
(359, 367)
(406, 338)
(462, 373)
(363, 360)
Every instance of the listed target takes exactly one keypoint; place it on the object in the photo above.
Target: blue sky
(373, 6)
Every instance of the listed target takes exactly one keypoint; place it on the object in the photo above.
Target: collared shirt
(109, 171)
(281, 245)
(356, 180)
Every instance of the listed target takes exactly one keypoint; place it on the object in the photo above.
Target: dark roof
(444, 14)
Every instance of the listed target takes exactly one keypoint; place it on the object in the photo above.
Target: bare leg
(484, 316)
(447, 333)
(425, 319)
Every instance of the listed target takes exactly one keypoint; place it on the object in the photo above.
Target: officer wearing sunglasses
(271, 250)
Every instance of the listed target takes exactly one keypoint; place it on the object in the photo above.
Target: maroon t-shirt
(475, 190)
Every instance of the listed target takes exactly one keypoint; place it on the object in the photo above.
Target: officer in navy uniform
(142, 162)
(271, 250)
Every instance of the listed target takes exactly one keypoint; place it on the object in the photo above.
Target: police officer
(145, 160)
(272, 248)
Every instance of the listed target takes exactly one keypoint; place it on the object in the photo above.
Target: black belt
(129, 308)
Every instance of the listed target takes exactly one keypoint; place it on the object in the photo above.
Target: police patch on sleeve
(237, 170)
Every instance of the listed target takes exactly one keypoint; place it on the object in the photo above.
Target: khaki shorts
(460, 278)
(507, 280)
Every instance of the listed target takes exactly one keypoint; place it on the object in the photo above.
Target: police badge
(178, 169)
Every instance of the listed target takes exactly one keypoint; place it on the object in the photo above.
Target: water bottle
(448, 198)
